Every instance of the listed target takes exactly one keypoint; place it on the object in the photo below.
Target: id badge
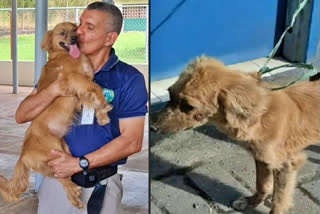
(87, 115)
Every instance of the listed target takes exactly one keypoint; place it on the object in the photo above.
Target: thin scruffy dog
(47, 130)
(275, 126)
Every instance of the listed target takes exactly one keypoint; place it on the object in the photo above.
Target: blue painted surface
(232, 31)
(314, 32)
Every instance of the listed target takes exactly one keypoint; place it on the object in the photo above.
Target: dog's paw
(102, 117)
(240, 204)
(77, 203)
(103, 120)
(102, 114)
(107, 107)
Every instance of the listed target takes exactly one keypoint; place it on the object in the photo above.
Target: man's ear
(46, 43)
(111, 38)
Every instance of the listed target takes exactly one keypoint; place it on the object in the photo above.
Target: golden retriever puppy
(47, 130)
(275, 126)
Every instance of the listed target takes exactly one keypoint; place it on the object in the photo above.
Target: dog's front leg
(264, 186)
(264, 183)
(90, 94)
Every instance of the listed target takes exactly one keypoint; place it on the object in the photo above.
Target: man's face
(93, 31)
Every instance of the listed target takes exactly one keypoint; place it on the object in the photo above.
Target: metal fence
(131, 46)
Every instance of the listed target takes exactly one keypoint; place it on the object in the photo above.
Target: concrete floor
(135, 172)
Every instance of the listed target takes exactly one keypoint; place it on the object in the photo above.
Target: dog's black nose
(74, 39)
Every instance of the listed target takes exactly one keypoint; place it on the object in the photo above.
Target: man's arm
(128, 143)
(36, 102)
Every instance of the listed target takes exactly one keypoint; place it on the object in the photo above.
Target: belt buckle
(92, 177)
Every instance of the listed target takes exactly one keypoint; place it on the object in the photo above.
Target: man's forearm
(128, 143)
(114, 151)
(33, 105)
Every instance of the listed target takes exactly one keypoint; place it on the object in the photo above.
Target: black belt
(90, 177)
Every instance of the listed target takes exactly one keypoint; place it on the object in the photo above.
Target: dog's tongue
(74, 51)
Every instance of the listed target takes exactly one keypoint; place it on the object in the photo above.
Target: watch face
(83, 163)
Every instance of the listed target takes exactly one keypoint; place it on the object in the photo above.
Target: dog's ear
(46, 43)
(240, 100)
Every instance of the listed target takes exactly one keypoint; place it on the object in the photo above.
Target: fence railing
(131, 47)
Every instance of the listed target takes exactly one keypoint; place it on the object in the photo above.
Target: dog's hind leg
(12, 189)
(73, 192)
(284, 184)
(264, 186)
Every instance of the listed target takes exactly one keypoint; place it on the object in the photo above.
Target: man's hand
(63, 165)
(58, 87)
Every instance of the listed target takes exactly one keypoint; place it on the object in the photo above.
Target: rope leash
(311, 68)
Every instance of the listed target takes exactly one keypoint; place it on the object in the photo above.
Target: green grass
(130, 47)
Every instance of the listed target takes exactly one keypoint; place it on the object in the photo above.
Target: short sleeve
(134, 96)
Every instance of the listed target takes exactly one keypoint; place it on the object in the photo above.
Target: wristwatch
(84, 163)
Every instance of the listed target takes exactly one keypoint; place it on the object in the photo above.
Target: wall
(314, 38)
(232, 31)
(26, 73)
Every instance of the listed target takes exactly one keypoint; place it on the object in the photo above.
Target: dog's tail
(11, 190)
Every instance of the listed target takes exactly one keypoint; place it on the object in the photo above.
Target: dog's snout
(74, 39)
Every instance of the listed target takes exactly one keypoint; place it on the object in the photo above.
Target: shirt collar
(112, 61)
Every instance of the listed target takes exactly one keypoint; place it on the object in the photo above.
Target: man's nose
(79, 30)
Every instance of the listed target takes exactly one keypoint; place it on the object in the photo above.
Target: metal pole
(147, 35)
(14, 47)
(41, 28)
(77, 16)
(40, 56)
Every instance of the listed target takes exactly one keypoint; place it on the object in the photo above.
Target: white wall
(26, 73)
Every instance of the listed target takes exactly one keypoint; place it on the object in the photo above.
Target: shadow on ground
(217, 192)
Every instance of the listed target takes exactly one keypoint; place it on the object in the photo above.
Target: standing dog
(275, 126)
(47, 130)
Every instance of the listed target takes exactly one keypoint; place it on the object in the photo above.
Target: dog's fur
(48, 128)
(275, 126)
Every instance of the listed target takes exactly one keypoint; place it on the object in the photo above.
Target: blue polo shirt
(124, 86)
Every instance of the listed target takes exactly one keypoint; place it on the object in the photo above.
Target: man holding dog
(124, 87)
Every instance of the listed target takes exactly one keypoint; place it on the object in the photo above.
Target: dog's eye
(173, 99)
(62, 33)
(185, 106)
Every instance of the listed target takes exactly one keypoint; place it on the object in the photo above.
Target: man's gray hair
(117, 18)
